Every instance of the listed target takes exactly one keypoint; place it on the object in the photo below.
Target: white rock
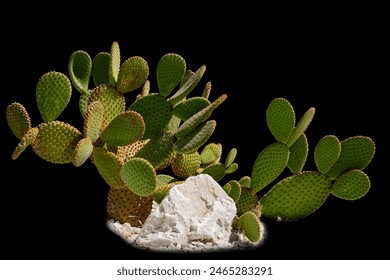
(196, 211)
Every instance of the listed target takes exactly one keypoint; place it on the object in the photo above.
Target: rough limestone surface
(196, 211)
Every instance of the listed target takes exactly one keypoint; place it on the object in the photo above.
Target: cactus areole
(144, 143)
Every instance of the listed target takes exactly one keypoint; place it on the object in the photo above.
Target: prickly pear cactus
(145, 142)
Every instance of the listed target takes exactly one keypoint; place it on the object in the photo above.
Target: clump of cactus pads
(144, 142)
(128, 133)
(340, 172)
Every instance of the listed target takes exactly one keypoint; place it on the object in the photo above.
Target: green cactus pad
(170, 70)
(100, 68)
(113, 102)
(124, 129)
(298, 154)
(235, 190)
(248, 200)
(187, 75)
(185, 165)
(125, 206)
(227, 188)
(18, 119)
(163, 179)
(83, 103)
(129, 151)
(139, 176)
(232, 168)
(156, 112)
(191, 142)
(215, 170)
(356, 153)
(190, 124)
(159, 150)
(326, 153)
(63, 135)
(132, 74)
(28, 138)
(249, 224)
(301, 127)
(351, 185)
(53, 94)
(269, 164)
(109, 165)
(82, 152)
(115, 63)
(93, 121)
(174, 124)
(207, 90)
(245, 182)
(145, 89)
(190, 107)
(79, 68)
(211, 153)
(230, 157)
(280, 117)
(162, 191)
(296, 197)
(188, 86)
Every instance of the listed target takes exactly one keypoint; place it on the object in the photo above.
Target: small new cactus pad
(139, 176)
(211, 153)
(188, 74)
(132, 74)
(207, 90)
(109, 165)
(26, 141)
(227, 188)
(185, 165)
(18, 119)
(326, 153)
(248, 200)
(100, 66)
(351, 185)
(235, 190)
(356, 153)
(190, 107)
(145, 89)
(163, 179)
(53, 94)
(301, 127)
(124, 129)
(158, 150)
(249, 224)
(191, 142)
(93, 121)
(79, 68)
(296, 197)
(232, 168)
(113, 102)
(82, 152)
(126, 207)
(215, 170)
(269, 164)
(156, 112)
(298, 154)
(63, 135)
(170, 70)
(188, 86)
(162, 191)
(190, 124)
(245, 182)
(280, 117)
(115, 63)
(230, 157)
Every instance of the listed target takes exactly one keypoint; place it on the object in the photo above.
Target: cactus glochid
(134, 137)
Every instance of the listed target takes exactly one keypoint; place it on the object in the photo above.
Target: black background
(333, 61)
